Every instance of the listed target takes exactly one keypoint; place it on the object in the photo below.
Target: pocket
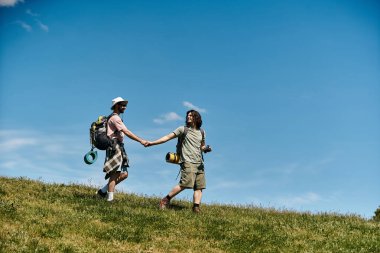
(183, 167)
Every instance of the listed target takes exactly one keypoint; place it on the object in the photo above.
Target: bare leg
(197, 197)
(176, 189)
(115, 179)
(165, 201)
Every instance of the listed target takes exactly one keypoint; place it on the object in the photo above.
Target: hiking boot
(101, 194)
(196, 209)
(164, 203)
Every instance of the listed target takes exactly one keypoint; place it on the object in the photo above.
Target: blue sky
(289, 92)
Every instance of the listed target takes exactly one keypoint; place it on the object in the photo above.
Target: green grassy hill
(39, 217)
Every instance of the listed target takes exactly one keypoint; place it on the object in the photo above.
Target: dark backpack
(98, 133)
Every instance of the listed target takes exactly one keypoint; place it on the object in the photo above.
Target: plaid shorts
(116, 160)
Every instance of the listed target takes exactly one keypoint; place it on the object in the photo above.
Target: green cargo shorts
(192, 176)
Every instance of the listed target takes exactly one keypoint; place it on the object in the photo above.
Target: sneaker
(164, 203)
(196, 209)
(101, 194)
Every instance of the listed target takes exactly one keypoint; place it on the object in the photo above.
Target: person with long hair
(189, 148)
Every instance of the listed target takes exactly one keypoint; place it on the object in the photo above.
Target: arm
(205, 148)
(118, 124)
(203, 145)
(162, 139)
(132, 136)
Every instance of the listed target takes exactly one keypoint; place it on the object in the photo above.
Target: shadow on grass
(177, 207)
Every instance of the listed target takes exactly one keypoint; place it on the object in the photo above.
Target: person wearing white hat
(116, 162)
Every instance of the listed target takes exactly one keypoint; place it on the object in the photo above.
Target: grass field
(40, 217)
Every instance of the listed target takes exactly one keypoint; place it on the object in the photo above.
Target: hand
(143, 142)
(148, 144)
(207, 149)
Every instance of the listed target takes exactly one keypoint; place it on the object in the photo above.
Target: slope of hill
(39, 217)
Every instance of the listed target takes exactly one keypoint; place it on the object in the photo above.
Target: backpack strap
(203, 133)
(203, 137)
(111, 115)
(108, 118)
(181, 138)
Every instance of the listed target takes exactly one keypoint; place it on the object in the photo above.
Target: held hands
(148, 144)
(144, 142)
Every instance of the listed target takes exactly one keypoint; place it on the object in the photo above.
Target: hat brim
(122, 101)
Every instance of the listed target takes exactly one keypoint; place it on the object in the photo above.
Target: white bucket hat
(118, 100)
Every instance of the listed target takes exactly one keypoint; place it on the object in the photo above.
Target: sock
(195, 205)
(110, 196)
(168, 197)
(105, 188)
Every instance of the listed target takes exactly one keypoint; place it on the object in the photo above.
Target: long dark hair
(196, 118)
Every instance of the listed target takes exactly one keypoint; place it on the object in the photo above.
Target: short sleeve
(116, 123)
(179, 131)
